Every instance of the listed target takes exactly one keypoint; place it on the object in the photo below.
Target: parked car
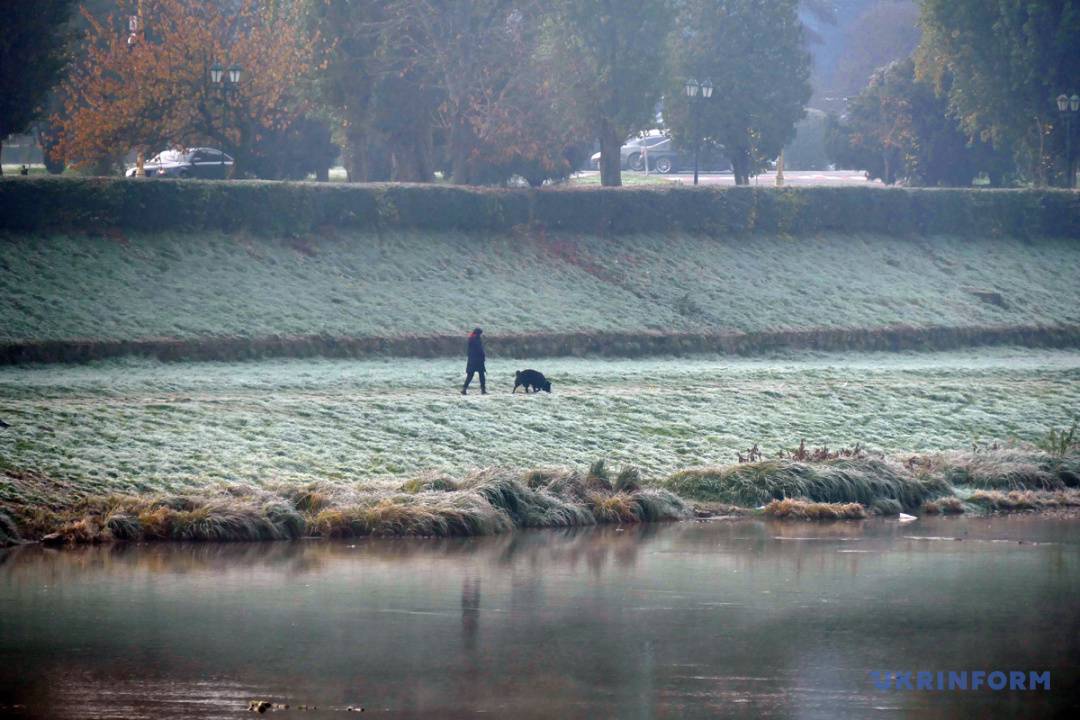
(664, 159)
(201, 163)
(630, 153)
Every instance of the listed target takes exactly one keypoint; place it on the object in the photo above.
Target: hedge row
(37, 204)
(547, 345)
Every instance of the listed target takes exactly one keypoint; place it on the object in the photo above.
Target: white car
(630, 154)
(203, 163)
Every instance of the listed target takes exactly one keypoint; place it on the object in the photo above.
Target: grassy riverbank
(251, 440)
(205, 285)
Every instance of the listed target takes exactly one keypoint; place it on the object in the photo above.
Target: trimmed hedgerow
(283, 208)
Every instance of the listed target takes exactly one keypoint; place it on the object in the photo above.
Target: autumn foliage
(151, 89)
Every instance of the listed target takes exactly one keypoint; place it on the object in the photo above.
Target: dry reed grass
(997, 501)
(804, 510)
(943, 506)
(434, 504)
(497, 500)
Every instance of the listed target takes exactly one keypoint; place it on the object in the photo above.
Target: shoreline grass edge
(498, 500)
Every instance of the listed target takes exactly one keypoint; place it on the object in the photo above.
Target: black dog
(525, 378)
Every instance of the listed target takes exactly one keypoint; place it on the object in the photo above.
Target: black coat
(476, 355)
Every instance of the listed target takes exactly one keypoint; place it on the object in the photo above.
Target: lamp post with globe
(1068, 107)
(692, 89)
(217, 76)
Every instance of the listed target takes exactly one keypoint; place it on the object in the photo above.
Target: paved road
(794, 178)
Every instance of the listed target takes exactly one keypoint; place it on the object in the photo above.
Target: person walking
(475, 363)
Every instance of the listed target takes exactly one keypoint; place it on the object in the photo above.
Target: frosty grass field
(176, 285)
(140, 426)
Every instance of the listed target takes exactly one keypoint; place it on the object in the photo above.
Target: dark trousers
(468, 379)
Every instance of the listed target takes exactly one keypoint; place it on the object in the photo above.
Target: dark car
(201, 163)
(664, 159)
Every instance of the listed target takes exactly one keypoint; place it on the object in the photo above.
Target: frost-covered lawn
(141, 425)
(629, 179)
(211, 285)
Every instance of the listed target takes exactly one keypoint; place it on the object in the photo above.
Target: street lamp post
(1068, 107)
(217, 76)
(692, 88)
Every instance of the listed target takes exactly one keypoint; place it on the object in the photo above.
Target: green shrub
(46, 203)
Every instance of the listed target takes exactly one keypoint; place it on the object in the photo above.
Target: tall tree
(883, 33)
(1008, 60)
(613, 60)
(760, 78)
(32, 58)
(401, 73)
(497, 109)
(475, 48)
(377, 98)
(898, 128)
(152, 88)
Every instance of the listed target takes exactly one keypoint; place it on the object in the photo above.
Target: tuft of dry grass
(430, 481)
(616, 507)
(1067, 498)
(943, 506)
(9, 531)
(628, 479)
(997, 501)
(804, 510)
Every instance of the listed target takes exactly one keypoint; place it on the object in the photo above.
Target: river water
(697, 619)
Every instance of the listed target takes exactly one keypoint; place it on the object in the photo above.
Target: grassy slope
(213, 285)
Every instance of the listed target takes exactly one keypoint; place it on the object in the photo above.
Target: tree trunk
(611, 141)
(354, 157)
(411, 156)
(425, 154)
(740, 167)
(461, 140)
(242, 155)
(1039, 176)
(1, 155)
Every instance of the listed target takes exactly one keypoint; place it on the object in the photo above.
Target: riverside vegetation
(131, 448)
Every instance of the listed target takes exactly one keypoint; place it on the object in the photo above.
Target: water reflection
(725, 619)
